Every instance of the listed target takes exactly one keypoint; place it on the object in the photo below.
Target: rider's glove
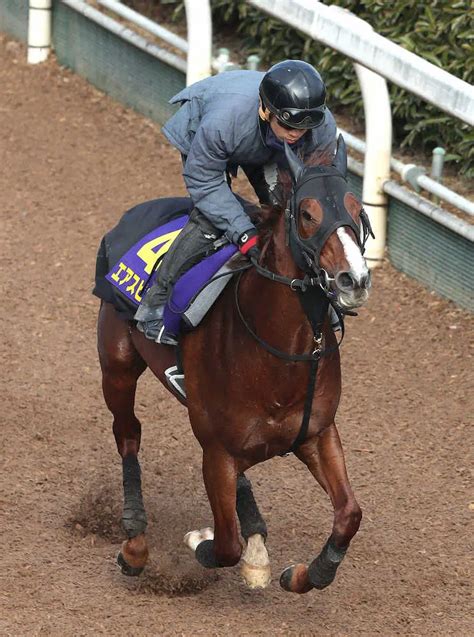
(248, 244)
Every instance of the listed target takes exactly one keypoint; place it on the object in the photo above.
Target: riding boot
(193, 243)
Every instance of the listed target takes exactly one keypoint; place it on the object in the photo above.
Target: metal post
(437, 164)
(222, 60)
(198, 18)
(378, 135)
(39, 31)
(253, 62)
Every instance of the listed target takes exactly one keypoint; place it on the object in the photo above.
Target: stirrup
(151, 329)
(175, 380)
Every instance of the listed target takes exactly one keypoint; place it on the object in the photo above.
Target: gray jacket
(217, 127)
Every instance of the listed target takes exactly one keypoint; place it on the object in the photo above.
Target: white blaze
(356, 261)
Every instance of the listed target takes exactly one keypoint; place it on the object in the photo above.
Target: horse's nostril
(365, 281)
(344, 281)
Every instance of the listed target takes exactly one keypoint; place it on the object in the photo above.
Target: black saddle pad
(134, 224)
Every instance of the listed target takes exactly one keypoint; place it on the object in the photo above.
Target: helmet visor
(302, 118)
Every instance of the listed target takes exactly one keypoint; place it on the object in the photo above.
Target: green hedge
(441, 31)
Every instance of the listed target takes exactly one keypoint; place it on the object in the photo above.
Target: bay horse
(262, 374)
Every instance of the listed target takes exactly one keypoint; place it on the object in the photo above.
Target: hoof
(256, 576)
(294, 579)
(255, 565)
(194, 538)
(126, 569)
(133, 556)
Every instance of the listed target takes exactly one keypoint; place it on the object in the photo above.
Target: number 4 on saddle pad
(139, 265)
(136, 269)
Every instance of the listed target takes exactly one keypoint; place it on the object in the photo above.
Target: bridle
(307, 251)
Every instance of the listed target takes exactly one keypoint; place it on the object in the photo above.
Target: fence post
(199, 24)
(39, 31)
(378, 139)
(437, 165)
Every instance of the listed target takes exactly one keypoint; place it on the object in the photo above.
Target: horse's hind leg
(121, 367)
(324, 457)
(255, 567)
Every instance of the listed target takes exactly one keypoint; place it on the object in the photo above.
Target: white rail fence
(375, 59)
(343, 31)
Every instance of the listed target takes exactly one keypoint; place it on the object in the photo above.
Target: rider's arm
(204, 176)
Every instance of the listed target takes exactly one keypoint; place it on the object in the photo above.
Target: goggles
(301, 118)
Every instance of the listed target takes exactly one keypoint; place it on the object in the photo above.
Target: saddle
(130, 253)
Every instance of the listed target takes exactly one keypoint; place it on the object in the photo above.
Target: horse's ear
(340, 158)
(294, 162)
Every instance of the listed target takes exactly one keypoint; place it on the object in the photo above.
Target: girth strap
(308, 404)
(315, 305)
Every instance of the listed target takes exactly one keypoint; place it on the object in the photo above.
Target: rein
(313, 290)
(294, 284)
(316, 323)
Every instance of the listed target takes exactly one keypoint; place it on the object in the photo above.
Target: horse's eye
(306, 216)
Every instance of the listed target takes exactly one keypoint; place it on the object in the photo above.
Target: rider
(237, 118)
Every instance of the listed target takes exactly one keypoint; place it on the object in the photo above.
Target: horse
(276, 387)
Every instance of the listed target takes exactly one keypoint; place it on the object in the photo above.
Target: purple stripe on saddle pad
(132, 271)
(190, 283)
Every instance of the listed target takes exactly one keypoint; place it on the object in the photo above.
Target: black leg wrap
(205, 554)
(251, 521)
(134, 517)
(322, 570)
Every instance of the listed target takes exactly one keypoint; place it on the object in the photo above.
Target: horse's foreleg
(255, 567)
(220, 479)
(121, 367)
(325, 459)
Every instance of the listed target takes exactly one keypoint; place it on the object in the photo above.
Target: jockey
(236, 118)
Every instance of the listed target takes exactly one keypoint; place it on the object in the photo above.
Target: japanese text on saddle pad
(138, 266)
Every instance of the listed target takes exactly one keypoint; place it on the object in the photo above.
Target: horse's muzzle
(352, 291)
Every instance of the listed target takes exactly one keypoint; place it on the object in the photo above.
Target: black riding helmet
(295, 93)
